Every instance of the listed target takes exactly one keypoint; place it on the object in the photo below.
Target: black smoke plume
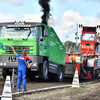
(45, 8)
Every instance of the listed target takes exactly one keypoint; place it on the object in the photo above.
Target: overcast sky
(65, 14)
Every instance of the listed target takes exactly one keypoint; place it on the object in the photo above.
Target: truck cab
(89, 39)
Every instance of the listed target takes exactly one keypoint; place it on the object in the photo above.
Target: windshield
(88, 36)
(19, 32)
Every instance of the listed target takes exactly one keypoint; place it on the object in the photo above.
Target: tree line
(68, 44)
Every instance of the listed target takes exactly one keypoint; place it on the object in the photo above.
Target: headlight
(4, 63)
(34, 64)
(1, 63)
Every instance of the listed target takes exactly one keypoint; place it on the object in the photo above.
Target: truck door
(44, 41)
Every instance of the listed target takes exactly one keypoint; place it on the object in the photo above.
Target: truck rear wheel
(6, 72)
(43, 69)
(60, 75)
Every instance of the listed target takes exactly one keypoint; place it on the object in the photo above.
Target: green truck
(42, 43)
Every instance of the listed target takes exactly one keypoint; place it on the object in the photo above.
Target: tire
(30, 74)
(6, 72)
(60, 75)
(97, 72)
(43, 70)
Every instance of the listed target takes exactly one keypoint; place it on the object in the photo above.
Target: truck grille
(18, 49)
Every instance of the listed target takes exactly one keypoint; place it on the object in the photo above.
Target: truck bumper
(5, 63)
(8, 64)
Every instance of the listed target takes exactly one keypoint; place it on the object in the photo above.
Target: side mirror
(45, 33)
(41, 39)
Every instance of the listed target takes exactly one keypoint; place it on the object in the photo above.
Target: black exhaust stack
(45, 8)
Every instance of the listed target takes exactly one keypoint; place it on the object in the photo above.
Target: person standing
(22, 59)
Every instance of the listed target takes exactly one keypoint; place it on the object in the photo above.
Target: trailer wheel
(60, 75)
(5, 72)
(93, 74)
(97, 72)
(43, 70)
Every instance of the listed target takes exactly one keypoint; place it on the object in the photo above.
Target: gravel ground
(85, 92)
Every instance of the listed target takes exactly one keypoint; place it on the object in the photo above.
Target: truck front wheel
(6, 72)
(43, 69)
(60, 75)
(30, 74)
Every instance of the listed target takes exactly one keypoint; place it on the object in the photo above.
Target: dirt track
(86, 92)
